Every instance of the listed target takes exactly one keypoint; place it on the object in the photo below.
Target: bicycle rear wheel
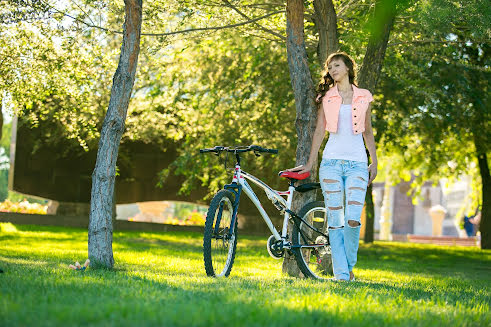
(312, 249)
(218, 244)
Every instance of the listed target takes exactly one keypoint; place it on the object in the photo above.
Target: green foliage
(232, 86)
(473, 17)
(159, 280)
(56, 77)
(13, 11)
(432, 105)
(6, 138)
(224, 89)
(4, 180)
(195, 90)
(4, 160)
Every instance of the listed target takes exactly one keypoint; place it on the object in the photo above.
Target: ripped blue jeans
(344, 185)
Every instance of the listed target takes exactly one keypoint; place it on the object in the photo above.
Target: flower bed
(23, 207)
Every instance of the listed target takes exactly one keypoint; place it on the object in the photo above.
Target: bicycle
(309, 244)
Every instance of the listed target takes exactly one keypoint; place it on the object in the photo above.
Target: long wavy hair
(326, 81)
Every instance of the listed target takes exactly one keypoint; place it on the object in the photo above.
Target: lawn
(159, 280)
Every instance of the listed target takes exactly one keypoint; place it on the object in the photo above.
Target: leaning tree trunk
(325, 20)
(485, 225)
(368, 77)
(306, 109)
(103, 177)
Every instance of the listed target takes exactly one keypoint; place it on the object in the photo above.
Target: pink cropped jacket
(331, 102)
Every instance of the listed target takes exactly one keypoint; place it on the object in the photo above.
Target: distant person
(344, 171)
(469, 227)
(471, 224)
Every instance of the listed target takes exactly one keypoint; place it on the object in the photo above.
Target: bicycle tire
(313, 262)
(218, 251)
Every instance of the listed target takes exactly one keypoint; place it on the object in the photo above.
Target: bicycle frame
(239, 184)
(308, 242)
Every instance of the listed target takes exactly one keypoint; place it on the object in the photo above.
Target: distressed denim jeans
(344, 185)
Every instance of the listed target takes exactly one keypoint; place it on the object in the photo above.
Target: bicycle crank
(275, 248)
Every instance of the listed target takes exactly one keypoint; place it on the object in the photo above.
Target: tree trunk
(368, 77)
(306, 109)
(485, 225)
(103, 177)
(325, 20)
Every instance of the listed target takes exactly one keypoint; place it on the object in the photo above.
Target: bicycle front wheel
(219, 244)
(312, 249)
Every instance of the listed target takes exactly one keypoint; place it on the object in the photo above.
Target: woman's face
(338, 70)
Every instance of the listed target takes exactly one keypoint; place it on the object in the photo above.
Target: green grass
(159, 280)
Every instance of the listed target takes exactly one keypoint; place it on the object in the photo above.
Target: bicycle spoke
(310, 244)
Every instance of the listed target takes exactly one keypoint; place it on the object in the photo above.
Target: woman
(345, 113)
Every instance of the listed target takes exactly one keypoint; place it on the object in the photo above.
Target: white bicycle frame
(240, 177)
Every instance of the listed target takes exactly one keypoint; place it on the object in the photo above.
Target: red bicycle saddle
(293, 175)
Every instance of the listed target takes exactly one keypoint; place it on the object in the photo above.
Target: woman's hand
(372, 171)
(301, 169)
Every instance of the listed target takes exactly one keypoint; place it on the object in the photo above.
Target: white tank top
(344, 144)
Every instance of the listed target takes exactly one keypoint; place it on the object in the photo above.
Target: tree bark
(485, 225)
(103, 177)
(306, 109)
(326, 21)
(368, 77)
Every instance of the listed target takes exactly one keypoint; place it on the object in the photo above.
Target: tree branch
(353, 5)
(345, 6)
(260, 36)
(228, 4)
(86, 14)
(214, 28)
(263, 6)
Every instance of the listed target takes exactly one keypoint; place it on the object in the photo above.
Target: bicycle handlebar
(238, 149)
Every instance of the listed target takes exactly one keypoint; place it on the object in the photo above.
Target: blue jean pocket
(328, 162)
(360, 164)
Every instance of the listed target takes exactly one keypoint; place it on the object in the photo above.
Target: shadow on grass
(119, 298)
(148, 243)
(439, 261)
